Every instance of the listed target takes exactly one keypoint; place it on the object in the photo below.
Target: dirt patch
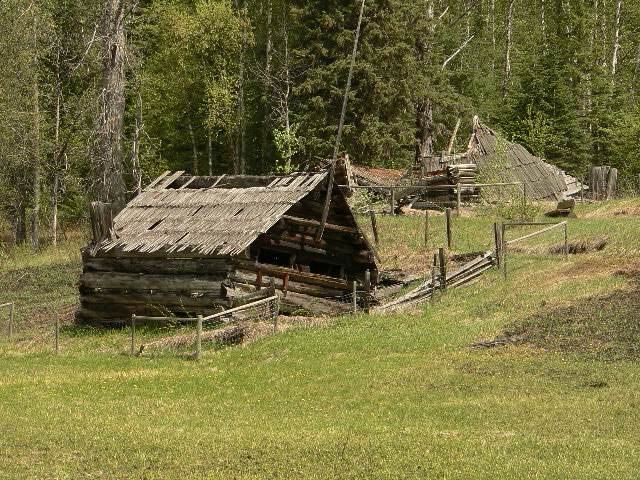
(629, 271)
(604, 327)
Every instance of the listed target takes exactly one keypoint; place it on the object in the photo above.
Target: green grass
(399, 396)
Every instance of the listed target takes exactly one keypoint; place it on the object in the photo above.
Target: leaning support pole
(327, 202)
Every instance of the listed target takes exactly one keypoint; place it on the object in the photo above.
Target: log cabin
(189, 245)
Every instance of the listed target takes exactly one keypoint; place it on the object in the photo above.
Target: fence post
(354, 300)
(524, 200)
(582, 189)
(11, 319)
(459, 200)
(393, 200)
(199, 337)
(497, 243)
(276, 311)
(56, 333)
(503, 251)
(448, 227)
(367, 289)
(443, 268)
(133, 334)
(426, 228)
(566, 243)
(374, 226)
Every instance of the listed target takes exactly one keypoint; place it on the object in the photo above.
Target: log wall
(112, 287)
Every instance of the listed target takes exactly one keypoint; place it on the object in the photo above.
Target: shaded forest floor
(399, 396)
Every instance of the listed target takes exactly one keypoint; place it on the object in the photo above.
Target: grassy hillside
(401, 396)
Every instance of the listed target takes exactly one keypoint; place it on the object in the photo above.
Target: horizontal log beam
(292, 286)
(303, 277)
(314, 223)
(165, 299)
(162, 283)
(170, 266)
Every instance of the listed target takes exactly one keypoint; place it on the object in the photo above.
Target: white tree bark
(507, 56)
(616, 39)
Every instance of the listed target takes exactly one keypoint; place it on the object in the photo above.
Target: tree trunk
(194, 147)
(493, 32)
(452, 140)
(424, 130)
(636, 74)
(543, 25)
(507, 56)
(287, 91)
(111, 187)
(54, 209)
(616, 41)
(603, 33)
(239, 164)
(135, 150)
(20, 223)
(35, 213)
(210, 152)
(267, 88)
(56, 157)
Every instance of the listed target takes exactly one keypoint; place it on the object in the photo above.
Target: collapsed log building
(489, 158)
(190, 245)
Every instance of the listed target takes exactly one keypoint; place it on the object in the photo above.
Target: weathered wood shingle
(208, 221)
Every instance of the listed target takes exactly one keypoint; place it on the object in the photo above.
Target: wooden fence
(224, 316)
(502, 244)
(458, 188)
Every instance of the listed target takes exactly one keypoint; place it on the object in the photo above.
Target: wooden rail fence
(458, 188)
(220, 316)
(502, 244)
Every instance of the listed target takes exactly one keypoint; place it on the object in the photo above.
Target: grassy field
(401, 396)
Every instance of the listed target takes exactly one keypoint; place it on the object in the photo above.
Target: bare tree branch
(454, 54)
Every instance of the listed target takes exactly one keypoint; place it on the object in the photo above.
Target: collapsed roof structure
(190, 245)
(489, 157)
(510, 162)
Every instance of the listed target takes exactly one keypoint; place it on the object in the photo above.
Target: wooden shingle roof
(214, 220)
(511, 162)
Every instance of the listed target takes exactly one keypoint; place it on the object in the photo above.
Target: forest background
(99, 96)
